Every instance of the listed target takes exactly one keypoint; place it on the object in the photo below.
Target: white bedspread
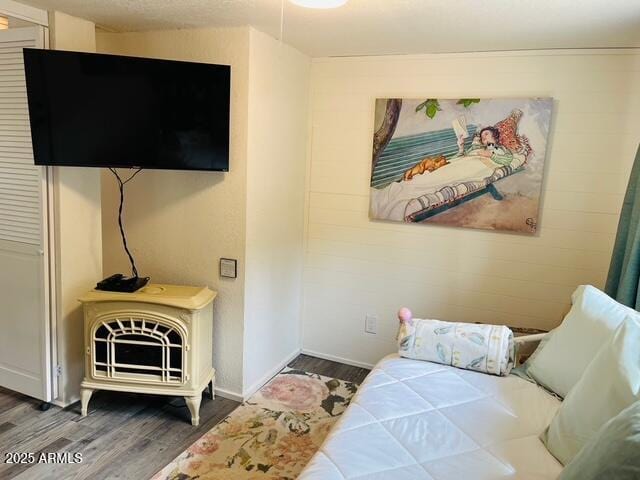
(416, 420)
(391, 201)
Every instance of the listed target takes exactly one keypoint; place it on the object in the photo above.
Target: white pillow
(610, 384)
(560, 362)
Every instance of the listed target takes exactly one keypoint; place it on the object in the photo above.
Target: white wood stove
(158, 340)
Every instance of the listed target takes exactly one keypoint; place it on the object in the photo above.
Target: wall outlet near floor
(371, 324)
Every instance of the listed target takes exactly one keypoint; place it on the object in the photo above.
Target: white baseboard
(221, 392)
(231, 395)
(61, 404)
(334, 358)
(58, 402)
(270, 374)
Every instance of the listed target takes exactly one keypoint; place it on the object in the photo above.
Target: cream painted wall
(354, 266)
(77, 230)
(71, 33)
(180, 223)
(277, 151)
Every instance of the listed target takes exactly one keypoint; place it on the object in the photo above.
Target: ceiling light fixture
(319, 3)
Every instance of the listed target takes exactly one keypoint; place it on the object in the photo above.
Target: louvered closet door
(25, 342)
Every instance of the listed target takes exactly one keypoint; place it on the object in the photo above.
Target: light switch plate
(228, 267)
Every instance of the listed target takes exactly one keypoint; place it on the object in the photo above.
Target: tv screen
(96, 110)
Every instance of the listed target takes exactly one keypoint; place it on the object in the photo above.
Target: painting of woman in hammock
(462, 163)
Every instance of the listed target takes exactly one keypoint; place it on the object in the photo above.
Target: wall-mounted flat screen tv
(96, 110)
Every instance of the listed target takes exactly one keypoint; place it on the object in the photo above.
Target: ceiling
(378, 27)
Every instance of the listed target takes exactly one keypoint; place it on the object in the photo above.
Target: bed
(420, 197)
(416, 420)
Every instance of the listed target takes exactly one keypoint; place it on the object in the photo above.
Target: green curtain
(624, 272)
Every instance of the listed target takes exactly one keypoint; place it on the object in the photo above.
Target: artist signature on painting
(531, 222)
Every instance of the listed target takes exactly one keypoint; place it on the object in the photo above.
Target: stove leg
(193, 403)
(85, 396)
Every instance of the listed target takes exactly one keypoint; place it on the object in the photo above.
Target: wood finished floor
(125, 436)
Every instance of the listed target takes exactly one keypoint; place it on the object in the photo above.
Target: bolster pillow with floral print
(479, 347)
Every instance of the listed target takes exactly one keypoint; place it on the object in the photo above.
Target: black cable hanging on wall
(121, 184)
(118, 282)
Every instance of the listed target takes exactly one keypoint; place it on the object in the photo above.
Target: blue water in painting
(404, 152)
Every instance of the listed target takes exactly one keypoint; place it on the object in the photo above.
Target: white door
(25, 300)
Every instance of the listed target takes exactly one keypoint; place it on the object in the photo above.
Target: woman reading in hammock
(471, 167)
(486, 144)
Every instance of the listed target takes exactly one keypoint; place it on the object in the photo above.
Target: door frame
(35, 15)
(40, 19)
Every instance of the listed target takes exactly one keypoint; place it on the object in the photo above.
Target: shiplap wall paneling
(354, 266)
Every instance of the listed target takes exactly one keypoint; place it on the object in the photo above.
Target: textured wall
(354, 266)
(277, 152)
(77, 229)
(180, 223)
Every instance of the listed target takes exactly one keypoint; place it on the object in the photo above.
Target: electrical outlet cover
(371, 324)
